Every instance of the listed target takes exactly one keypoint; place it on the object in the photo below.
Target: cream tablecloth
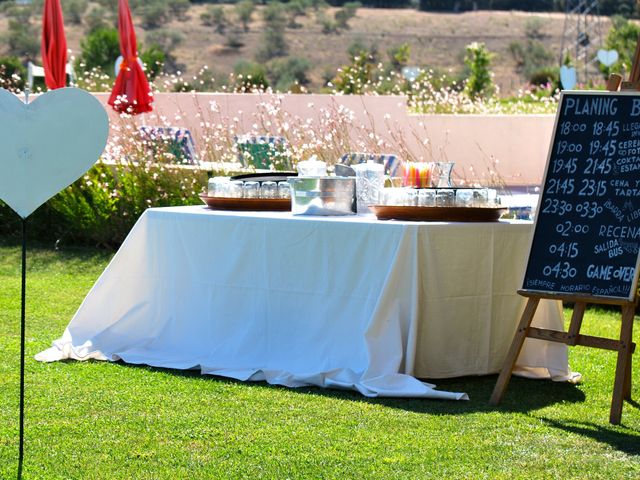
(341, 302)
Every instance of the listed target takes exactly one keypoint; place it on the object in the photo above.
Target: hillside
(437, 40)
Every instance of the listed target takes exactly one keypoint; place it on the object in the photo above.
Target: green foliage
(74, 10)
(244, 10)
(531, 57)
(353, 78)
(22, 39)
(99, 50)
(293, 10)
(478, 60)
(288, 74)
(622, 37)
(12, 74)
(166, 40)
(101, 208)
(234, 39)
(215, 17)
(546, 76)
(153, 58)
(154, 13)
(250, 76)
(98, 18)
(399, 56)
(274, 43)
(179, 9)
(534, 28)
(346, 13)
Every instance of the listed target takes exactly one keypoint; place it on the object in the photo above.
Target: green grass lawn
(99, 420)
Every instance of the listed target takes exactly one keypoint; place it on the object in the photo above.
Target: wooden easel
(624, 346)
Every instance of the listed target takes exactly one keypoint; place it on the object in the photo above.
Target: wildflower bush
(102, 206)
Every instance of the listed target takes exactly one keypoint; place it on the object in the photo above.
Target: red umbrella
(54, 45)
(131, 92)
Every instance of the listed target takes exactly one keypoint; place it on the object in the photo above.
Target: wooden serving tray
(248, 204)
(438, 214)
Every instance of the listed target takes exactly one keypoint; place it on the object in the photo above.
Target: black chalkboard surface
(587, 230)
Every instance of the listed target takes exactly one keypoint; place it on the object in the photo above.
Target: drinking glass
(251, 190)
(234, 189)
(426, 198)
(464, 197)
(269, 189)
(284, 190)
(445, 198)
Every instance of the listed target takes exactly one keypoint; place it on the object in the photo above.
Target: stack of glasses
(224, 187)
(439, 197)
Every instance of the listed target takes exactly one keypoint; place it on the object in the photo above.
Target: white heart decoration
(47, 144)
(568, 77)
(607, 57)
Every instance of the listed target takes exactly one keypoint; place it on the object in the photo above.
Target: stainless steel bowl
(323, 195)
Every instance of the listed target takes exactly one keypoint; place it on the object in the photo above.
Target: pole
(22, 342)
(22, 330)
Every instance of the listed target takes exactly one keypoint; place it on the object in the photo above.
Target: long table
(341, 302)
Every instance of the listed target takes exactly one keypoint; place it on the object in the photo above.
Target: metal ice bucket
(323, 195)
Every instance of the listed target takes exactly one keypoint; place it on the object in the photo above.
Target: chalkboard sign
(587, 231)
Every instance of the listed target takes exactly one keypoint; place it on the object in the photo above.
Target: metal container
(323, 195)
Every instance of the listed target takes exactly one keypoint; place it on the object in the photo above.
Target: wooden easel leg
(627, 380)
(623, 364)
(514, 351)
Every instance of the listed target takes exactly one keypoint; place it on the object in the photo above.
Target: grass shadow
(626, 441)
(524, 395)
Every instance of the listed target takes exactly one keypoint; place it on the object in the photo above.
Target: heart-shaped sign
(568, 77)
(607, 57)
(47, 144)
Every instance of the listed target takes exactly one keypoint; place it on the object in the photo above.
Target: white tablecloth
(347, 302)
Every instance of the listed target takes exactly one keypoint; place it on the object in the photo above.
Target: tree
(623, 38)
(274, 43)
(244, 10)
(477, 59)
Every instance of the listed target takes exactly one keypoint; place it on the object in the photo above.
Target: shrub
(273, 41)
(215, 17)
(23, 39)
(12, 74)
(346, 13)
(74, 10)
(546, 76)
(99, 50)
(154, 13)
(477, 60)
(531, 58)
(622, 37)
(249, 76)
(98, 18)
(102, 207)
(179, 8)
(289, 72)
(153, 58)
(244, 10)
(166, 40)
